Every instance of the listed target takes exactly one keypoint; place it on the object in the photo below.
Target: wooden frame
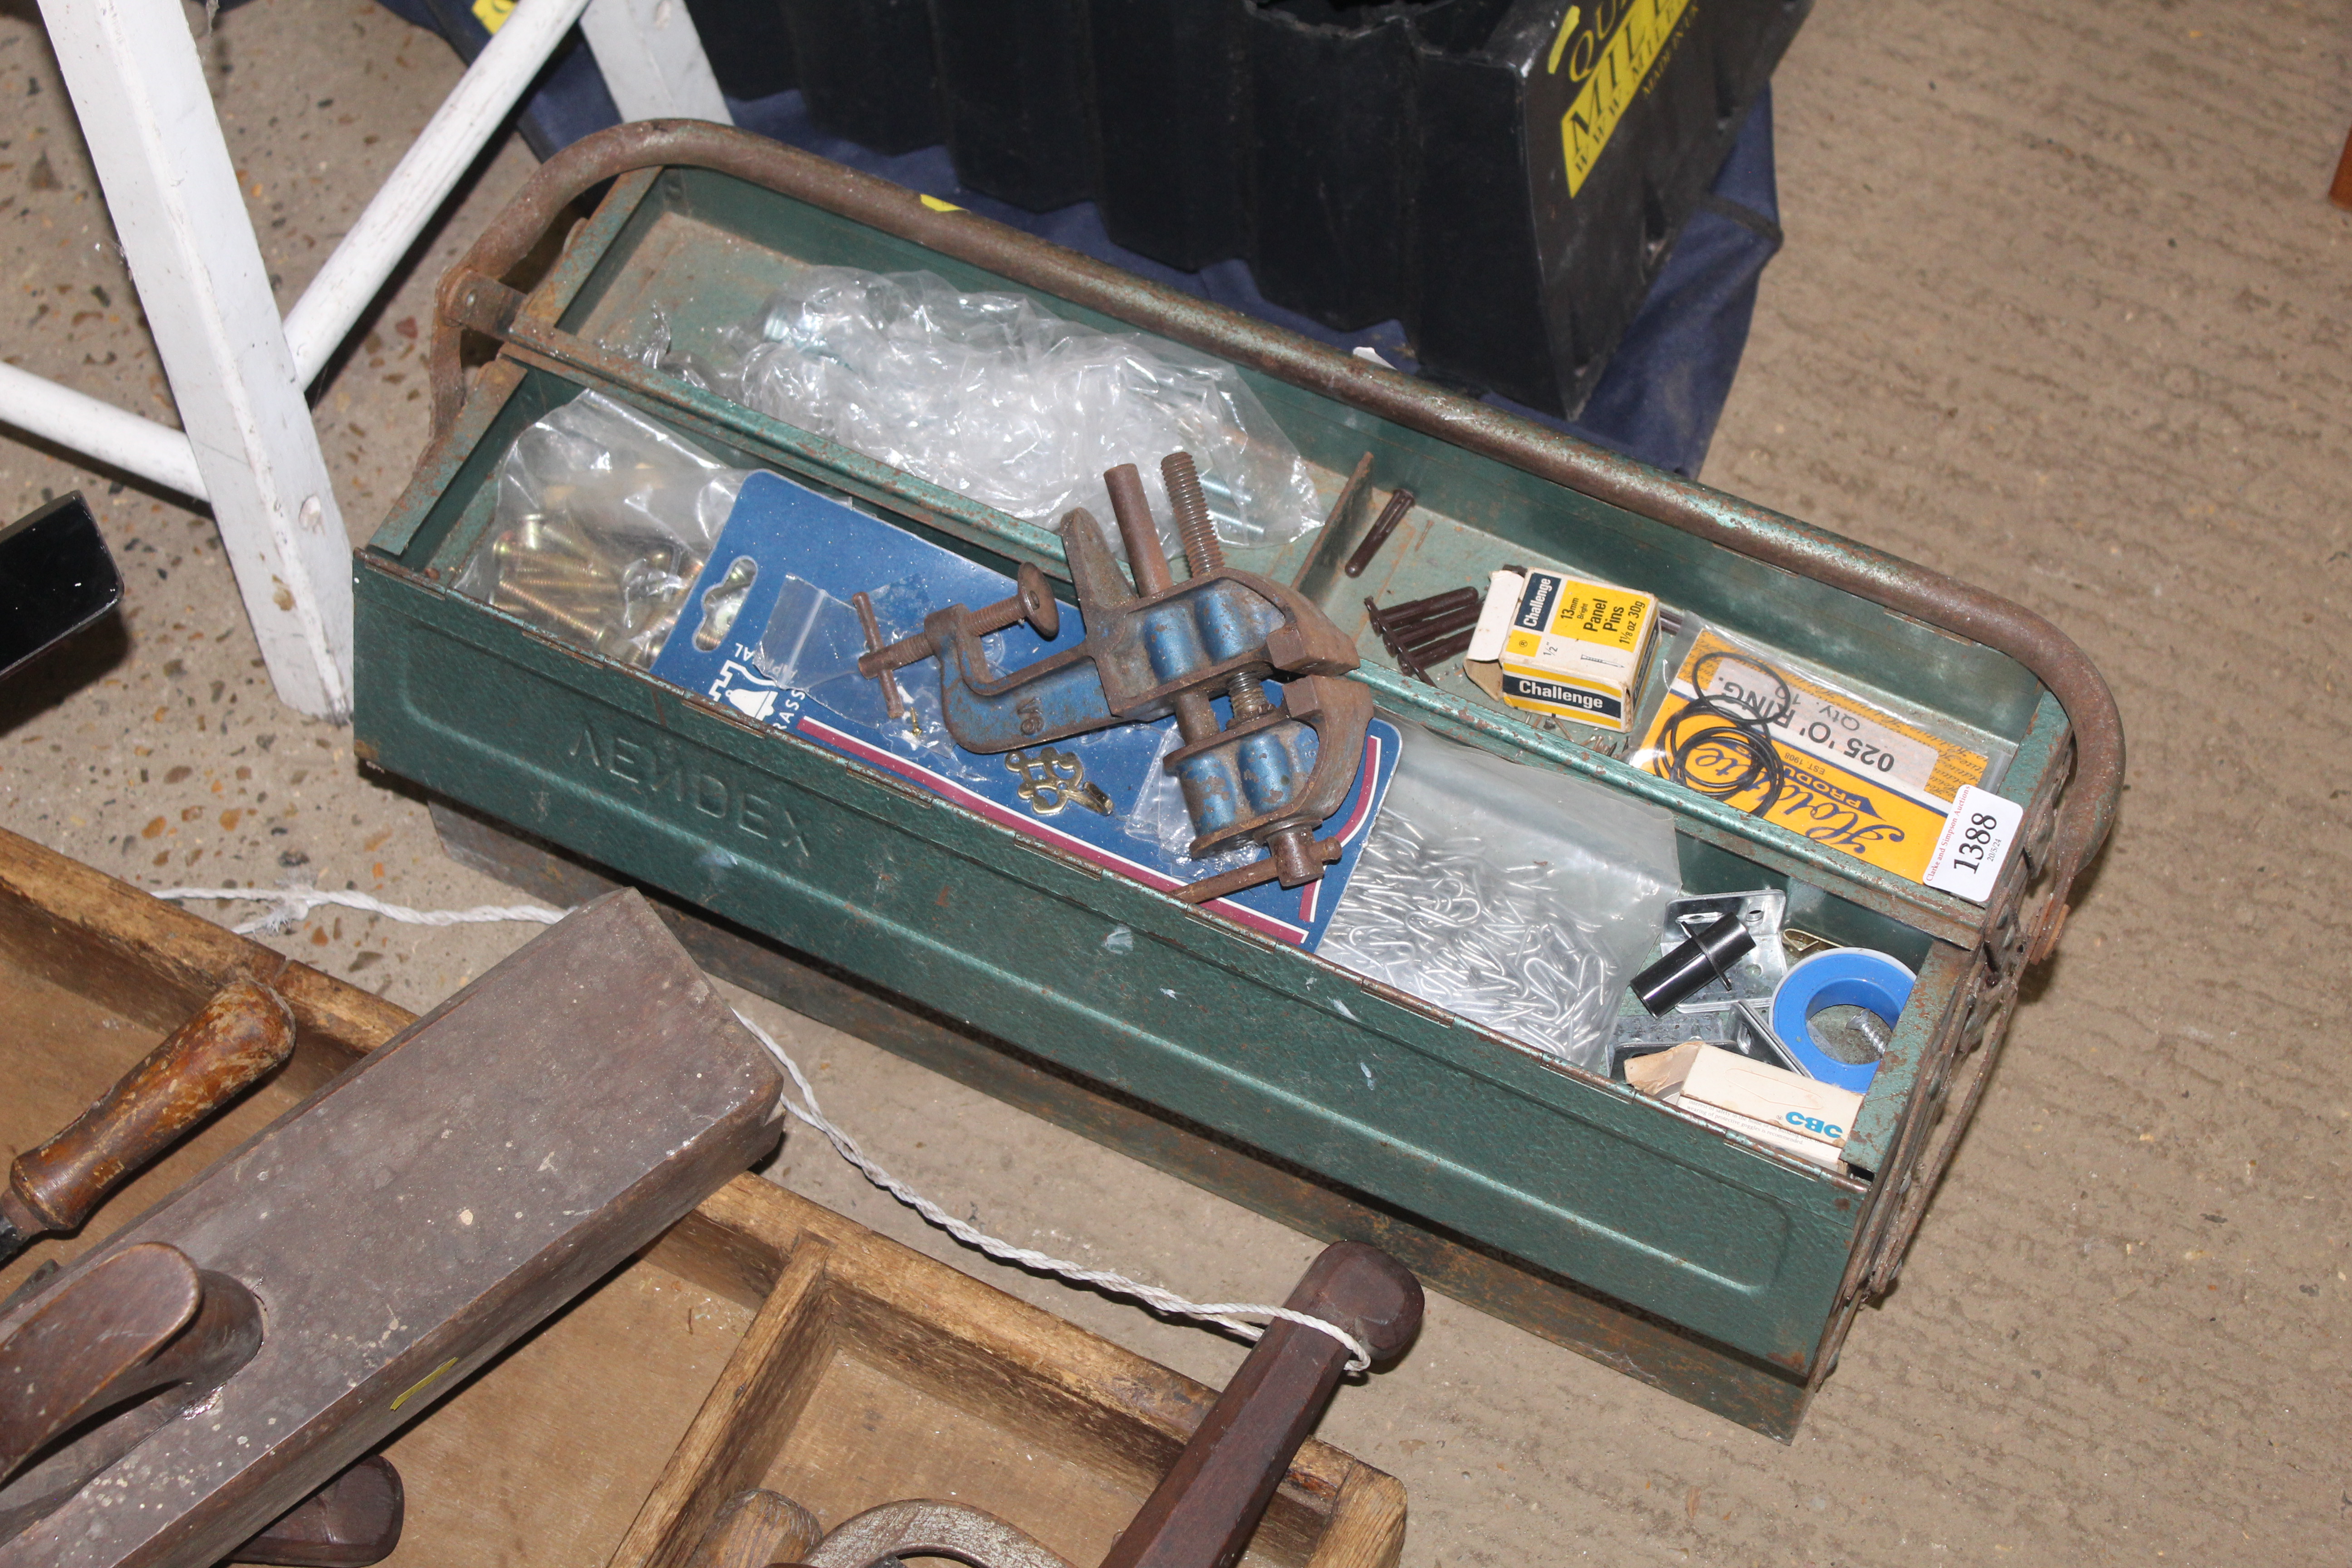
(867, 1372)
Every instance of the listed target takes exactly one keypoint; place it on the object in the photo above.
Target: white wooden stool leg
(413, 194)
(140, 92)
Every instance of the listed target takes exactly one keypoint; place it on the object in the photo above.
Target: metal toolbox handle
(2085, 809)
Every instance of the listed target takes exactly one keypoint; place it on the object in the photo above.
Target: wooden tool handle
(239, 1036)
(145, 1317)
(351, 1522)
(1205, 1510)
(755, 1528)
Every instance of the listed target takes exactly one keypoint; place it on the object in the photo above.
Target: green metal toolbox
(1695, 1260)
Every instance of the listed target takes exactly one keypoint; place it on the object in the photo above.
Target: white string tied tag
(293, 904)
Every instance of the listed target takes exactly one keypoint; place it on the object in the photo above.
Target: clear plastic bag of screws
(603, 520)
(991, 397)
(1516, 896)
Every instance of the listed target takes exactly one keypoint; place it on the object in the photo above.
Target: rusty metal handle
(1205, 1509)
(2086, 808)
(235, 1039)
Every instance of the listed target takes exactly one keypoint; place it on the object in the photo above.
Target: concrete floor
(2063, 313)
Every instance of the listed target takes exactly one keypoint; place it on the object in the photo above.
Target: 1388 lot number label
(1974, 844)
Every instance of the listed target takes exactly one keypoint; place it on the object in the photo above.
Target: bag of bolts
(1519, 897)
(990, 396)
(603, 519)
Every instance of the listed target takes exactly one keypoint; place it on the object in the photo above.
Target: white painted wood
(424, 178)
(653, 61)
(99, 430)
(238, 373)
(131, 68)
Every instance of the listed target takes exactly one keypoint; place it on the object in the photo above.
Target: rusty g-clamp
(1165, 646)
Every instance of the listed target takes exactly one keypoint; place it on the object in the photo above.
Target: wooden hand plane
(327, 1282)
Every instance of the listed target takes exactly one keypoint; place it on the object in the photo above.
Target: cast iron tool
(410, 1221)
(234, 1040)
(1204, 1510)
(1165, 646)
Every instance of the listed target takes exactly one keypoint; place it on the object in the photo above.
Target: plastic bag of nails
(603, 519)
(1519, 897)
(990, 396)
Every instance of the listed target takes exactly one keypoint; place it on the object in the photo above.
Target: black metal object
(1168, 120)
(1333, 124)
(867, 70)
(1503, 177)
(1562, 154)
(1707, 956)
(1014, 88)
(751, 48)
(1203, 134)
(56, 577)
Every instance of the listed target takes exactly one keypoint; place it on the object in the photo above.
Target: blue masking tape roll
(1844, 976)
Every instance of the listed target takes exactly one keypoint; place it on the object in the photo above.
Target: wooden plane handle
(1206, 1508)
(754, 1529)
(351, 1522)
(235, 1039)
(145, 1317)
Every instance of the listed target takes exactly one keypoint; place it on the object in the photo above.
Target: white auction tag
(1974, 845)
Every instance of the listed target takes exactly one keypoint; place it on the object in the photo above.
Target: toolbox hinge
(487, 305)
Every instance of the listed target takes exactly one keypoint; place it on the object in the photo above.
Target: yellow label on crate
(1851, 775)
(1611, 56)
(493, 14)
